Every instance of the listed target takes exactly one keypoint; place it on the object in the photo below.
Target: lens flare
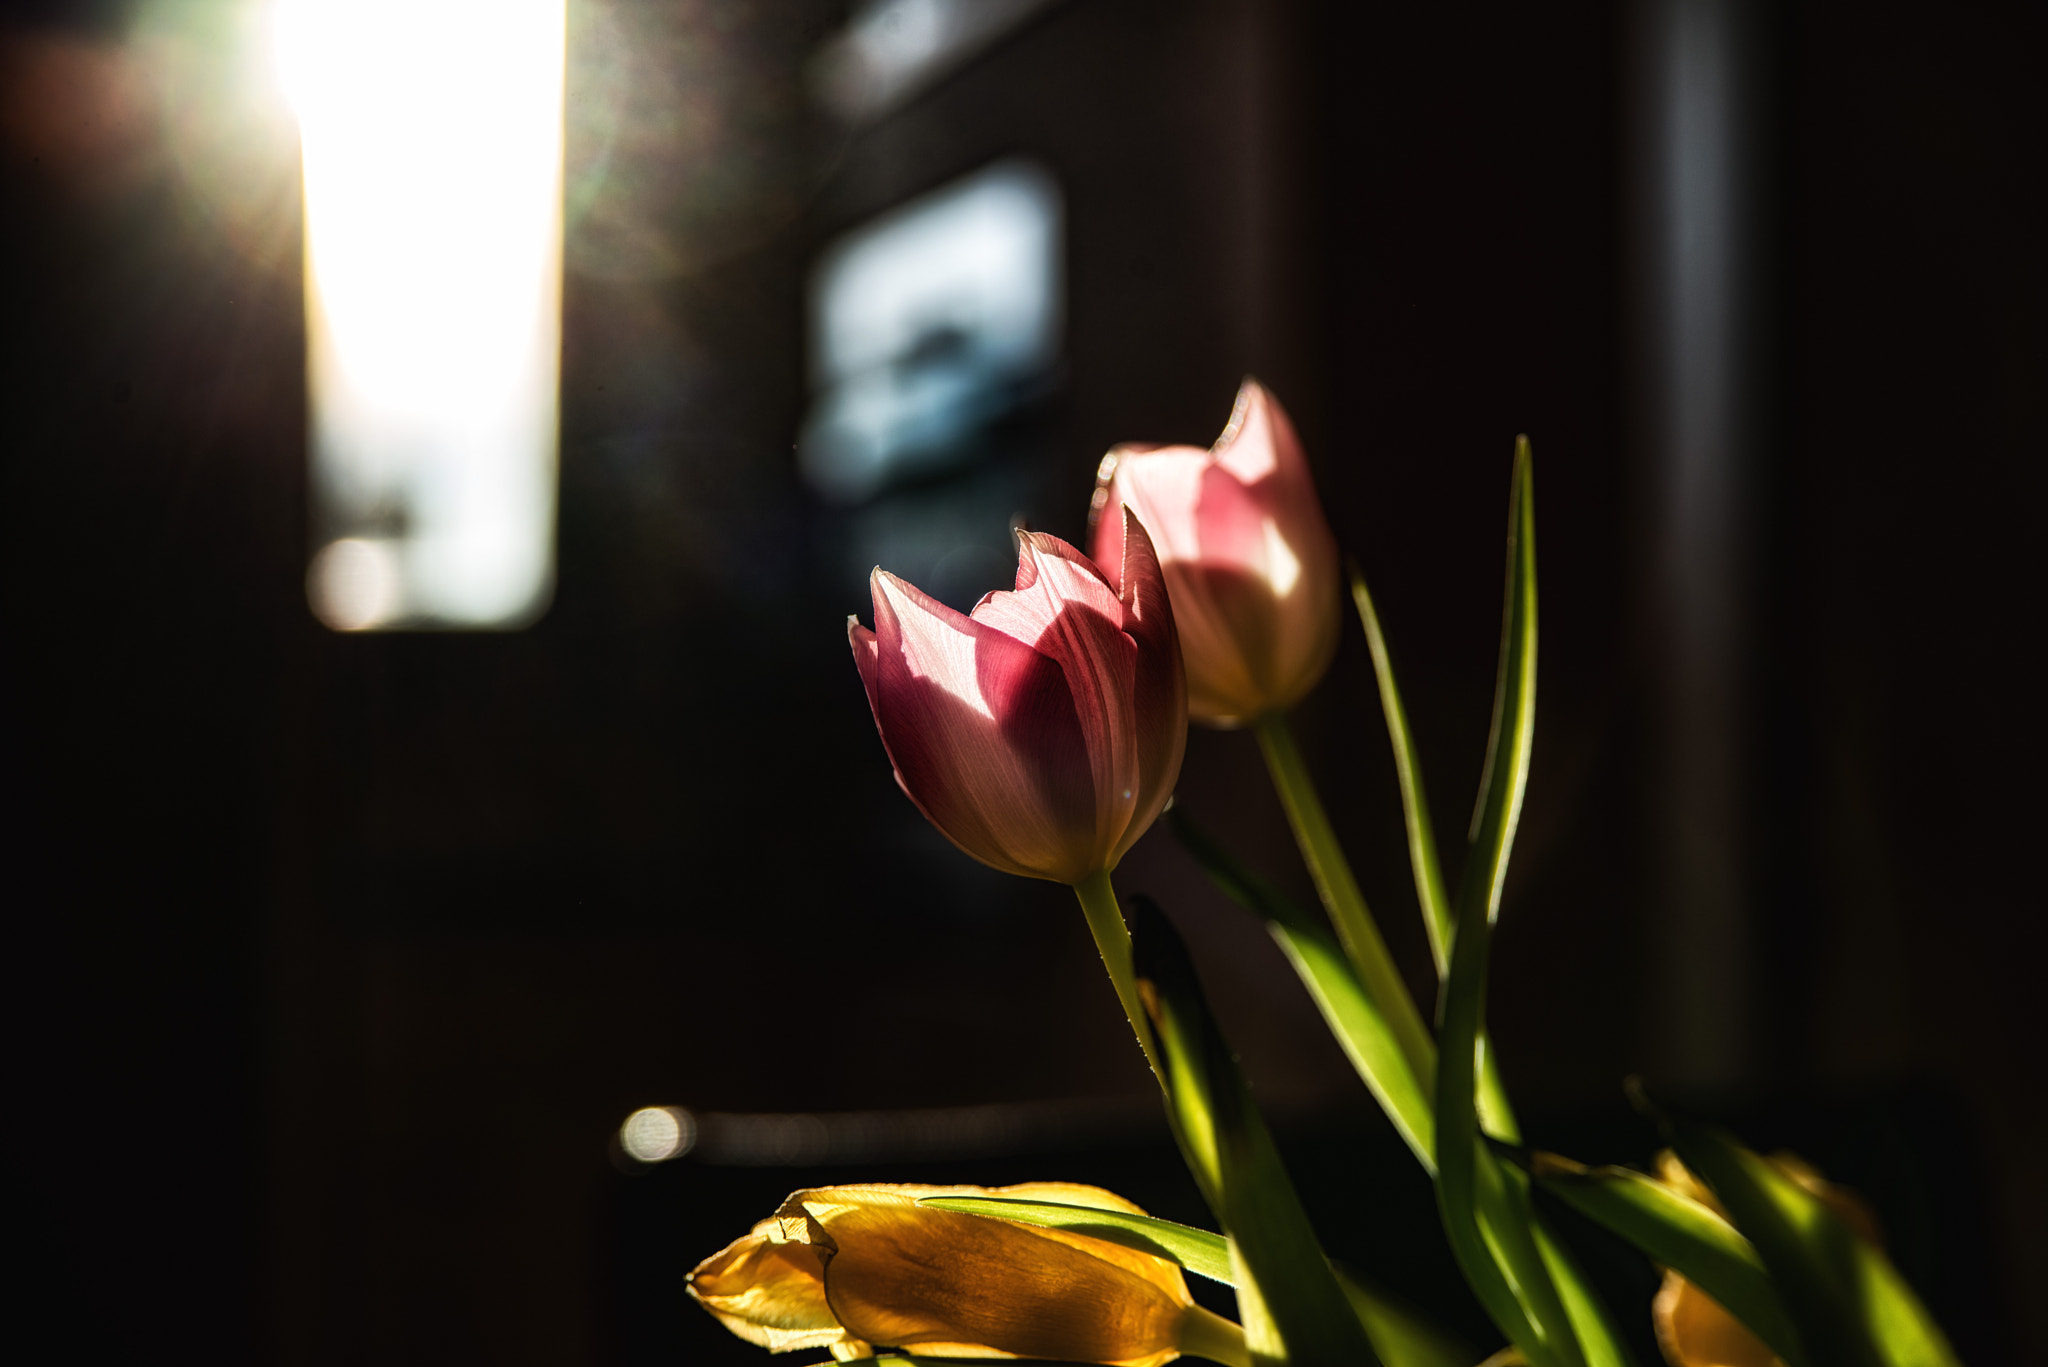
(432, 140)
(655, 1134)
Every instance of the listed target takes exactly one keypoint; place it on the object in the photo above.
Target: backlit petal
(1159, 695)
(1165, 500)
(906, 1275)
(1248, 557)
(1693, 1330)
(864, 656)
(1249, 446)
(1063, 607)
(769, 1293)
(1164, 489)
(984, 734)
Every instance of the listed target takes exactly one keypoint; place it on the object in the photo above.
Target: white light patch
(927, 323)
(1283, 567)
(432, 138)
(354, 584)
(655, 1134)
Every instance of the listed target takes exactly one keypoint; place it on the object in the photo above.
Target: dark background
(334, 961)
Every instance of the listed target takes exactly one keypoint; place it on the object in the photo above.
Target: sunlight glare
(432, 137)
(1283, 567)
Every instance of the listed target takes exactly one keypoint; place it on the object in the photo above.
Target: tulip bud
(850, 1268)
(1042, 732)
(1250, 562)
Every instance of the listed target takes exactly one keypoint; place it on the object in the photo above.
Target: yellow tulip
(849, 1268)
(1693, 1329)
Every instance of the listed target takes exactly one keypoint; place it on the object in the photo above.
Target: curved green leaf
(1852, 1307)
(1495, 1111)
(1354, 1018)
(1286, 1289)
(1197, 1250)
(1331, 872)
(1589, 1318)
(1485, 1209)
(1402, 1337)
(1430, 891)
(1680, 1234)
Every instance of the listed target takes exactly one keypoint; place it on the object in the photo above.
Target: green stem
(1339, 891)
(1113, 940)
(1205, 1334)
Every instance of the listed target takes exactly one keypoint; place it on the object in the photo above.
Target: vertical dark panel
(1699, 98)
(1922, 298)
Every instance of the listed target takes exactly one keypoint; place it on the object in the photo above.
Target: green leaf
(1680, 1234)
(1422, 855)
(1400, 1336)
(1505, 777)
(1283, 1279)
(1354, 1018)
(1437, 918)
(1197, 1250)
(1852, 1307)
(1331, 872)
(1485, 1209)
(1590, 1319)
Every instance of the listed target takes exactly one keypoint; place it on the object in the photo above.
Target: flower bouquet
(1043, 733)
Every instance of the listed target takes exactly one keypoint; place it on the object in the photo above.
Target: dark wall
(1919, 229)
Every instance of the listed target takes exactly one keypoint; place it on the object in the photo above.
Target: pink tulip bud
(1249, 559)
(1042, 732)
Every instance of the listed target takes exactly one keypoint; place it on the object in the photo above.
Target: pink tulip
(1042, 732)
(1249, 559)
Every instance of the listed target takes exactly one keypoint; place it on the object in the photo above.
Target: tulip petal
(1164, 495)
(1165, 489)
(1693, 1330)
(984, 735)
(1053, 579)
(946, 1284)
(1252, 446)
(1249, 558)
(1159, 693)
(770, 1293)
(1279, 533)
(808, 1215)
(867, 659)
(1063, 608)
(907, 1276)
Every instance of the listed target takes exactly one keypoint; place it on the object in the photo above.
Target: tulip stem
(1206, 1334)
(1113, 940)
(1331, 872)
